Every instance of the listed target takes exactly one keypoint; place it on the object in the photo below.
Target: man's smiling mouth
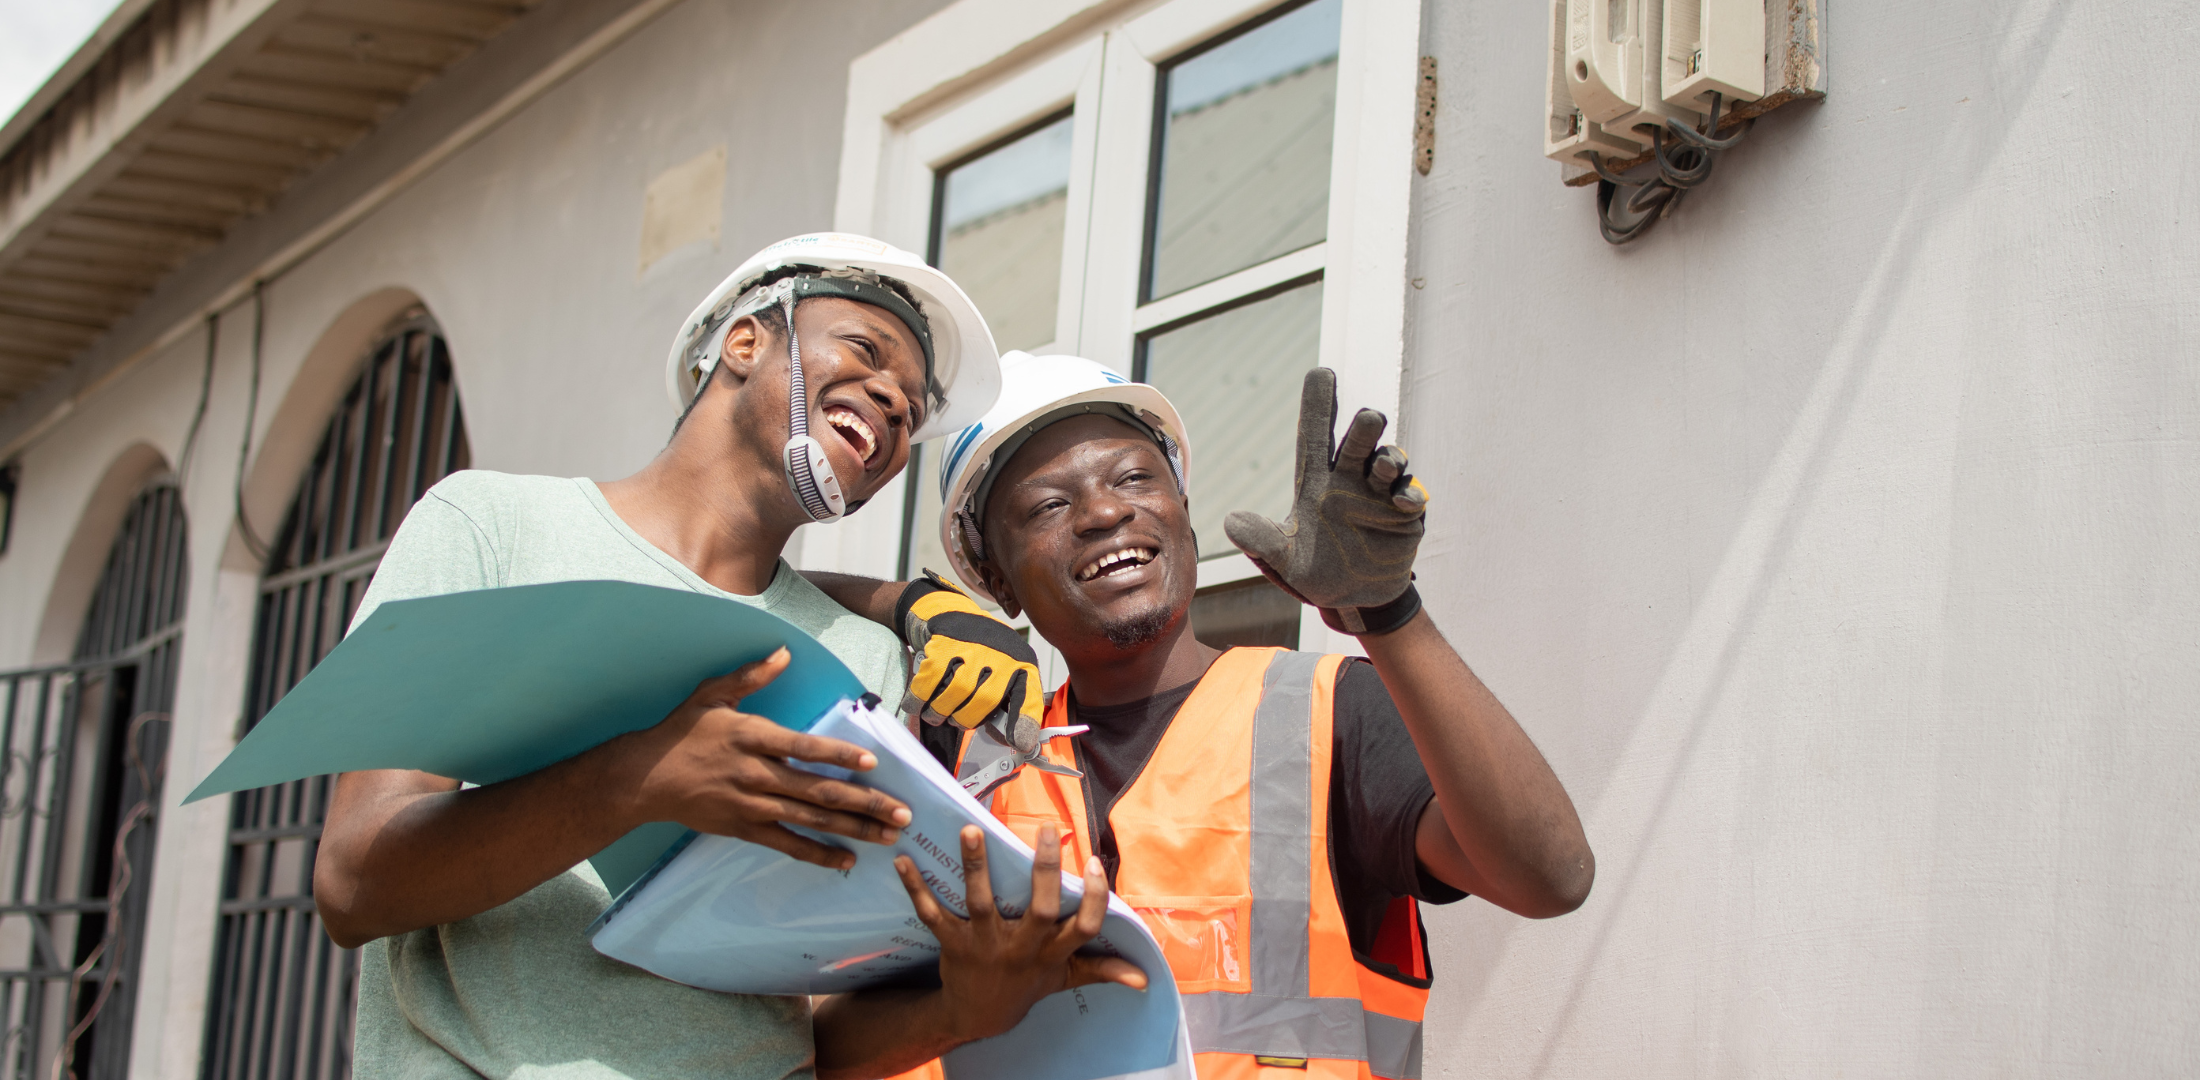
(854, 431)
(1116, 562)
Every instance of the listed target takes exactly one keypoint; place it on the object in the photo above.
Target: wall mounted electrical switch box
(1604, 58)
(1569, 135)
(1622, 71)
(1713, 46)
(1644, 31)
(1608, 60)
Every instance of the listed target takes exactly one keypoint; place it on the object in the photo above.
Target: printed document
(726, 914)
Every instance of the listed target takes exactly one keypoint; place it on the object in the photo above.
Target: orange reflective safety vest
(1224, 845)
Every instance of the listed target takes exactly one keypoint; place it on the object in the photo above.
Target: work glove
(1356, 520)
(970, 667)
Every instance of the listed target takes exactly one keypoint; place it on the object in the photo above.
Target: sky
(35, 37)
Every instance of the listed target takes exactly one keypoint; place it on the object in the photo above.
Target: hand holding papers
(728, 915)
(995, 964)
(719, 770)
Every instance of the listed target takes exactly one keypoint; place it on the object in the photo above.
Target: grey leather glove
(1355, 523)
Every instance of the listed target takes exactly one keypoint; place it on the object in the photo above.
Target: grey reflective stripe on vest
(1279, 1019)
(1277, 1026)
(1283, 824)
(1304, 1027)
(1393, 1047)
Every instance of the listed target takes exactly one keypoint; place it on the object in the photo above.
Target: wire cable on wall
(198, 416)
(1683, 156)
(252, 541)
(115, 942)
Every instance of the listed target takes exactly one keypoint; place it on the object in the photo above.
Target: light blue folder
(488, 685)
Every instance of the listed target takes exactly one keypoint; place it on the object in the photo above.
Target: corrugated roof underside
(327, 73)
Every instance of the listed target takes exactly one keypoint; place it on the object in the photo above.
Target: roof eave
(70, 71)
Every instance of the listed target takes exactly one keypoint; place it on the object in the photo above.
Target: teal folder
(488, 685)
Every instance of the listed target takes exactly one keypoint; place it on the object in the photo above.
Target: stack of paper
(729, 915)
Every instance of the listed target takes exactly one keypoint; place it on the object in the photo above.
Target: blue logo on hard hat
(955, 451)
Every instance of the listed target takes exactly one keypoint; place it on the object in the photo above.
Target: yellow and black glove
(1355, 524)
(969, 665)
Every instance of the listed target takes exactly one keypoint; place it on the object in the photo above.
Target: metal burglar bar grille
(281, 1004)
(82, 749)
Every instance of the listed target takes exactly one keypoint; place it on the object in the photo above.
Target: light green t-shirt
(517, 991)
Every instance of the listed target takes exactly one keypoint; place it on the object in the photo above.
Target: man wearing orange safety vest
(1273, 815)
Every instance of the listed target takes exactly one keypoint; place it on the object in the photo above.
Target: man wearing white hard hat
(801, 382)
(1274, 816)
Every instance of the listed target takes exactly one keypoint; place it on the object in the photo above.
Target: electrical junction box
(1712, 46)
(1613, 50)
(1619, 69)
(1569, 135)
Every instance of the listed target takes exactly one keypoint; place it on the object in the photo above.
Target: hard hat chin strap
(809, 472)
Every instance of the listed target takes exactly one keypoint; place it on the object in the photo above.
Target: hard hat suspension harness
(803, 458)
(809, 472)
(971, 517)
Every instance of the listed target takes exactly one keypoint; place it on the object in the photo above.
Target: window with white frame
(998, 218)
(997, 224)
(1153, 190)
(1239, 183)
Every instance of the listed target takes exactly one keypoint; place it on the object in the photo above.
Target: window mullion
(1305, 262)
(1370, 201)
(1077, 234)
(1121, 144)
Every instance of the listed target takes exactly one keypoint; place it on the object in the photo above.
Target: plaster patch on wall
(684, 204)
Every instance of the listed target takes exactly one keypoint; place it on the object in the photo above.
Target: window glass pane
(998, 232)
(1235, 378)
(1251, 613)
(1243, 170)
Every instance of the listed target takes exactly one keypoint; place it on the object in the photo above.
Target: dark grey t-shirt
(1377, 790)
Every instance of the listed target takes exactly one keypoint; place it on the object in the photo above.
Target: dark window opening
(83, 746)
(8, 474)
(282, 997)
(1253, 612)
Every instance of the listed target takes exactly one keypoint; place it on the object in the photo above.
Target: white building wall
(525, 246)
(1837, 543)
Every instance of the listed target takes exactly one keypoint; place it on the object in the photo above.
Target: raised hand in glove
(1356, 520)
(970, 666)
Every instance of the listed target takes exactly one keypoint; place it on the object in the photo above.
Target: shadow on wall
(1865, 226)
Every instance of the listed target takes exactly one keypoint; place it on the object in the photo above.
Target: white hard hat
(962, 366)
(1036, 391)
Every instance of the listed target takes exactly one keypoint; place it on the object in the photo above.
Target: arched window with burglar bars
(83, 746)
(282, 997)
